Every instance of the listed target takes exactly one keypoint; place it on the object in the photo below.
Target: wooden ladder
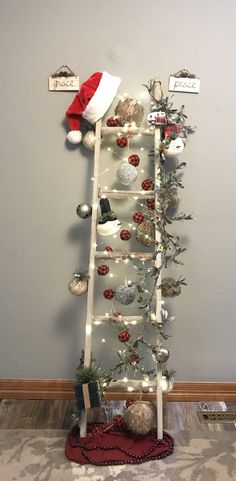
(91, 318)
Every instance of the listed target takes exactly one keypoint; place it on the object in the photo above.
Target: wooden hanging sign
(63, 79)
(184, 81)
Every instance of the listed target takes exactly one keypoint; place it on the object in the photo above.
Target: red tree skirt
(116, 447)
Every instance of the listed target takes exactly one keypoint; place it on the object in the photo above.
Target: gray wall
(42, 240)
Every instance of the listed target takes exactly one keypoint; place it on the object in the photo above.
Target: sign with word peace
(184, 81)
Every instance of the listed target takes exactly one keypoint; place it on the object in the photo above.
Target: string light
(103, 340)
(150, 389)
(130, 388)
(125, 379)
(97, 323)
(111, 275)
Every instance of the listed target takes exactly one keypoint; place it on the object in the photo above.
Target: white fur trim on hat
(102, 98)
(74, 136)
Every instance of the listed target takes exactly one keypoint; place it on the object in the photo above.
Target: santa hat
(91, 102)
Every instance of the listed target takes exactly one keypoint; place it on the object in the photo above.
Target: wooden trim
(63, 389)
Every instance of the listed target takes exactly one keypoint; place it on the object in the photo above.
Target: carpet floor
(38, 455)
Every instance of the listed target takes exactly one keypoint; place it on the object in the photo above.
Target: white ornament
(74, 136)
(110, 227)
(175, 147)
(126, 174)
(89, 140)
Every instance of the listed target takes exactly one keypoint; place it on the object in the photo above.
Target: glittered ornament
(108, 249)
(125, 235)
(140, 417)
(150, 204)
(147, 184)
(124, 336)
(112, 122)
(175, 147)
(89, 140)
(161, 354)
(138, 217)
(122, 142)
(145, 233)
(134, 160)
(78, 284)
(126, 174)
(129, 111)
(170, 287)
(103, 270)
(109, 294)
(125, 294)
(84, 210)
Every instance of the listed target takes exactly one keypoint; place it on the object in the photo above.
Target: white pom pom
(74, 136)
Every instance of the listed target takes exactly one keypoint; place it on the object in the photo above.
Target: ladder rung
(124, 194)
(134, 383)
(128, 130)
(142, 256)
(127, 319)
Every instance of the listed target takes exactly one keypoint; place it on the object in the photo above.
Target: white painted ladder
(97, 193)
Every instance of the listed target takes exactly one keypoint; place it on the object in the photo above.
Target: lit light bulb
(111, 275)
(125, 379)
(97, 323)
(134, 322)
(150, 389)
(103, 340)
(130, 388)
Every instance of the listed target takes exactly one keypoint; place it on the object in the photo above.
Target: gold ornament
(140, 417)
(129, 110)
(145, 233)
(78, 284)
(89, 140)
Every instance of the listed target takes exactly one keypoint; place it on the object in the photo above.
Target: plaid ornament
(112, 122)
(138, 217)
(103, 270)
(134, 160)
(122, 142)
(118, 421)
(125, 235)
(124, 336)
(109, 293)
(151, 204)
(117, 314)
(108, 249)
(147, 184)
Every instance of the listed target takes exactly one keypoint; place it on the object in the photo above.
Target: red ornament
(125, 235)
(116, 314)
(112, 122)
(129, 402)
(138, 217)
(109, 293)
(124, 336)
(118, 421)
(97, 431)
(122, 142)
(103, 270)
(151, 204)
(147, 184)
(134, 160)
(134, 359)
(170, 129)
(108, 249)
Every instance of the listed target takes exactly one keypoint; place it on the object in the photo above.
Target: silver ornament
(89, 140)
(126, 174)
(125, 294)
(140, 417)
(161, 354)
(84, 210)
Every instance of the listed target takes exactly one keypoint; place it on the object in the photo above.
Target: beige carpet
(38, 455)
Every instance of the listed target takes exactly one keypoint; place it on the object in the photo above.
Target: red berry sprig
(112, 122)
(109, 294)
(122, 142)
(118, 421)
(134, 160)
(147, 184)
(108, 249)
(151, 204)
(97, 432)
(124, 336)
(103, 270)
(138, 217)
(125, 235)
(134, 359)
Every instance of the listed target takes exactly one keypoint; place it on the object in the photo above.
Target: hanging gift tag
(184, 81)
(63, 79)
